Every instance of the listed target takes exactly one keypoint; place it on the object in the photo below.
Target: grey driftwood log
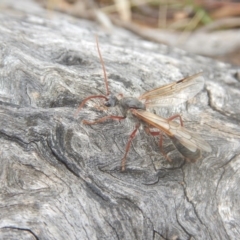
(60, 179)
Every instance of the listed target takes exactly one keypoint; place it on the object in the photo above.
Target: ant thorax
(127, 103)
(124, 103)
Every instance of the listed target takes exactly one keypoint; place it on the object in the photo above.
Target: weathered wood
(60, 179)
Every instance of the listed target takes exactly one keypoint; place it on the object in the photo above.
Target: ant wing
(174, 93)
(175, 131)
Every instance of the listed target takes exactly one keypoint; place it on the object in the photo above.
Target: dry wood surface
(61, 179)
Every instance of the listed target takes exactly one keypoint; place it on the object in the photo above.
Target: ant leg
(148, 131)
(131, 137)
(159, 133)
(176, 116)
(85, 100)
(161, 148)
(103, 119)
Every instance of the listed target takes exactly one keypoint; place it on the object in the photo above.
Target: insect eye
(112, 101)
(107, 104)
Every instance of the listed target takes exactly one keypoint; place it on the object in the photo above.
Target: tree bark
(61, 179)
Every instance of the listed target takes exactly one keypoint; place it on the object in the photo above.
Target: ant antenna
(103, 67)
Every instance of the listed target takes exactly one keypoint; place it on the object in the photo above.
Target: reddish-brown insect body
(187, 143)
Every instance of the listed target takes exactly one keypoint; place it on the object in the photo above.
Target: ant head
(112, 101)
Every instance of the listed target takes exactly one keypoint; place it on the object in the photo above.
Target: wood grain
(60, 179)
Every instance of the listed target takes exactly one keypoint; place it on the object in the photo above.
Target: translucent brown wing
(175, 131)
(174, 93)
